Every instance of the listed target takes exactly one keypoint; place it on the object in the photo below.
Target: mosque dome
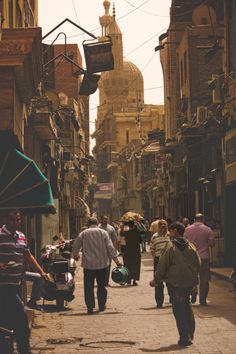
(124, 85)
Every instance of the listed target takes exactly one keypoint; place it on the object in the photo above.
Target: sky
(140, 21)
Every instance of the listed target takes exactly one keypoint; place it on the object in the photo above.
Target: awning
(85, 210)
(22, 185)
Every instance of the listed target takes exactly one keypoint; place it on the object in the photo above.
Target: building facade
(198, 60)
(229, 129)
(123, 120)
(42, 115)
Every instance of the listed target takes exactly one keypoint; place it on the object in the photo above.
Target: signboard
(105, 191)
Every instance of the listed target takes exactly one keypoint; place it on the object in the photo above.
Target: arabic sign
(105, 191)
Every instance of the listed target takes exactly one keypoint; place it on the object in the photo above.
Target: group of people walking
(180, 259)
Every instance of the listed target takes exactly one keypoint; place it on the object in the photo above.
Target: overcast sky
(140, 21)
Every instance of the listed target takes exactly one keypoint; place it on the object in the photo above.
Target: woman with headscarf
(132, 260)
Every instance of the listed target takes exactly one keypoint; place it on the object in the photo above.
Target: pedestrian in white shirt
(97, 249)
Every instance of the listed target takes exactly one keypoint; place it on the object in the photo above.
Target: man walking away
(97, 249)
(178, 266)
(202, 237)
(112, 234)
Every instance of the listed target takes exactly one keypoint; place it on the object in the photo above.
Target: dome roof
(132, 71)
(125, 84)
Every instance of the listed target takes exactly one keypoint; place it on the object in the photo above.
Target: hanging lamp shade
(22, 185)
(89, 84)
(98, 55)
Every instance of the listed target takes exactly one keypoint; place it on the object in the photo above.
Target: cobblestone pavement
(132, 323)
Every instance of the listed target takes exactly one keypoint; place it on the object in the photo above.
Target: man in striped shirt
(97, 249)
(14, 253)
(157, 244)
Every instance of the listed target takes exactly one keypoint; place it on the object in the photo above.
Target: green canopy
(22, 185)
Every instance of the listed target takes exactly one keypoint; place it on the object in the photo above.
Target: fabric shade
(22, 185)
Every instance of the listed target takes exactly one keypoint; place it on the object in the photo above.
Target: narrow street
(132, 324)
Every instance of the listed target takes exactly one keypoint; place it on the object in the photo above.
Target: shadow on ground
(169, 348)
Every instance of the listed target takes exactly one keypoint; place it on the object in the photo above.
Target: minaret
(106, 19)
(110, 28)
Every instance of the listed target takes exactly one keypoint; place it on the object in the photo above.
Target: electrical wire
(144, 11)
(98, 28)
(76, 15)
(146, 89)
(135, 9)
(141, 71)
(153, 88)
(143, 43)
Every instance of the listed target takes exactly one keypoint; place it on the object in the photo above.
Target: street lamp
(162, 46)
(98, 57)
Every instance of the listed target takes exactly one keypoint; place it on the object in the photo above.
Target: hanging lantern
(98, 56)
(89, 84)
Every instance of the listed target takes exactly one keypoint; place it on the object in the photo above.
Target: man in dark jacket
(179, 266)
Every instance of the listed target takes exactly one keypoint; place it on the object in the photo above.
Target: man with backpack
(179, 266)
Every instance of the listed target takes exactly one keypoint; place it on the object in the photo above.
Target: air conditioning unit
(201, 114)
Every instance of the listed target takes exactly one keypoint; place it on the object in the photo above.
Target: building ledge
(20, 48)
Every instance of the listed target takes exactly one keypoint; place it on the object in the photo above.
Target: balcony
(41, 118)
(20, 49)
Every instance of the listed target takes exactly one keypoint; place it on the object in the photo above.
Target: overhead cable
(144, 11)
(121, 17)
(145, 42)
(76, 15)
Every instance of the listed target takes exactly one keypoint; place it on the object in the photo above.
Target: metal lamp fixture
(89, 84)
(162, 46)
(98, 56)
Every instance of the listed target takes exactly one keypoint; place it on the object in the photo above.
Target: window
(18, 16)
(10, 13)
(181, 74)
(32, 4)
(29, 18)
(231, 35)
(204, 21)
(127, 136)
(231, 150)
(185, 66)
